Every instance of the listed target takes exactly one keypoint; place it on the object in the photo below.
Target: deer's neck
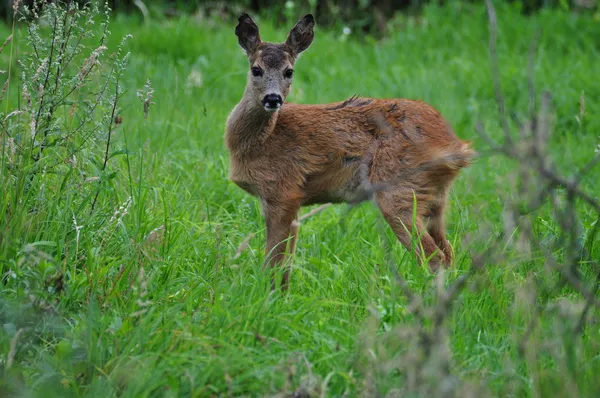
(249, 125)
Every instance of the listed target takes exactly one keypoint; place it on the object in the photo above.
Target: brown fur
(307, 154)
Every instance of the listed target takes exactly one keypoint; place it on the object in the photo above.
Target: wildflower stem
(110, 129)
(44, 86)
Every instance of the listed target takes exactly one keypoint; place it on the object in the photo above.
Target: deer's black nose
(272, 101)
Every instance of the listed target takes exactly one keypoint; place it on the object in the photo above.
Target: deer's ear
(301, 35)
(247, 33)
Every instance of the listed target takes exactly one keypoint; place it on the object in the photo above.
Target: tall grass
(118, 238)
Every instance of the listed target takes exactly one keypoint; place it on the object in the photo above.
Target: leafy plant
(60, 115)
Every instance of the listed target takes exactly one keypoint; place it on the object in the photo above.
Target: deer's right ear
(247, 33)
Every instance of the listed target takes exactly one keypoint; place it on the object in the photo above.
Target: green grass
(172, 313)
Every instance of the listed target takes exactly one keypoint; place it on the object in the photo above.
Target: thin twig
(530, 80)
(13, 348)
(496, 71)
(314, 211)
(243, 246)
(246, 242)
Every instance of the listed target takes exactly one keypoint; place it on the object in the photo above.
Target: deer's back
(353, 125)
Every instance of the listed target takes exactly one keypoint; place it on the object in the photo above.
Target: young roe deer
(292, 155)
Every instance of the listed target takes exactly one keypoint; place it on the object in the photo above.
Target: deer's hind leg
(436, 226)
(397, 208)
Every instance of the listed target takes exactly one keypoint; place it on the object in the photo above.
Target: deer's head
(272, 64)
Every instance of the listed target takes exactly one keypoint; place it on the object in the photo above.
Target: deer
(400, 153)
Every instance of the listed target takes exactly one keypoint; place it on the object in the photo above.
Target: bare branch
(496, 71)
(10, 358)
(246, 242)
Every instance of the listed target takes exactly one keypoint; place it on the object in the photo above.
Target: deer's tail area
(461, 156)
(448, 160)
(436, 165)
(444, 163)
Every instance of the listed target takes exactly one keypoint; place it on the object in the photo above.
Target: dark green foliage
(361, 16)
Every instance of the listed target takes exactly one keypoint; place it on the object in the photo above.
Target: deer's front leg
(279, 217)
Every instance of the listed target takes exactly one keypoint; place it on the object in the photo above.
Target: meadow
(125, 276)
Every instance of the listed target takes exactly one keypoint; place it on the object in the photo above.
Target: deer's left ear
(301, 35)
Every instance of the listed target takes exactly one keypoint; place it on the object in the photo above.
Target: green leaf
(123, 151)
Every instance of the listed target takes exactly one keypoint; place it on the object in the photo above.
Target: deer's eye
(288, 73)
(256, 71)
